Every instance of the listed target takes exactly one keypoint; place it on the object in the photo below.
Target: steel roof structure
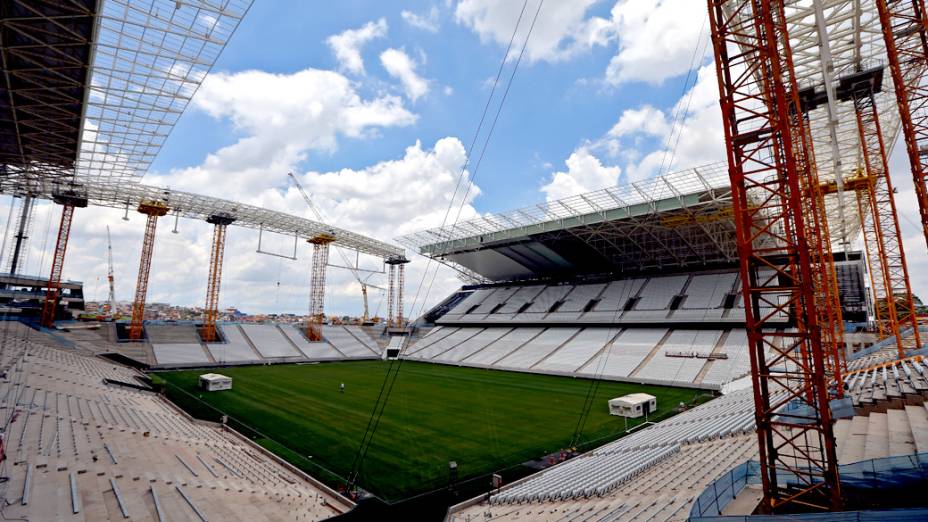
(196, 206)
(92, 88)
(830, 40)
(678, 220)
(46, 53)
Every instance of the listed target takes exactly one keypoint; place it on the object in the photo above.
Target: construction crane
(109, 274)
(353, 270)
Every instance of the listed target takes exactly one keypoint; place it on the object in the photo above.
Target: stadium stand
(472, 345)
(656, 473)
(79, 449)
(180, 354)
(348, 343)
(738, 363)
(580, 349)
(626, 353)
(615, 353)
(269, 341)
(680, 369)
(438, 344)
(235, 349)
(576, 302)
(178, 345)
(311, 350)
(541, 347)
(172, 334)
(502, 347)
(362, 337)
(614, 299)
(891, 383)
(704, 299)
(543, 303)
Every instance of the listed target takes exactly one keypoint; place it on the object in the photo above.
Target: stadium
(735, 340)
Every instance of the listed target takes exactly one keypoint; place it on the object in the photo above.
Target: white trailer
(633, 405)
(215, 382)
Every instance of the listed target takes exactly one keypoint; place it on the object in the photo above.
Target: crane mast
(318, 216)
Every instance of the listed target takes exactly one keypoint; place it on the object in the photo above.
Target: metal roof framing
(195, 206)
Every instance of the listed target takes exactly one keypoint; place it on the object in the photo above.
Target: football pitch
(485, 420)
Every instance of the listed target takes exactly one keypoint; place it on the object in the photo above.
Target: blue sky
(552, 108)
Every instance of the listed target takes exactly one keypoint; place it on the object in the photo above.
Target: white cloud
(644, 120)
(694, 138)
(399, 65)
(656, 39)
(585, 172)
(562, 29)
(347, 45)
(420, 183)
(309, 110)
(426, 22)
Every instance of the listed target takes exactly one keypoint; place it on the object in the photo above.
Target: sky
(374, 106)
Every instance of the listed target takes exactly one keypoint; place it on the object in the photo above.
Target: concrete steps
(896, 432)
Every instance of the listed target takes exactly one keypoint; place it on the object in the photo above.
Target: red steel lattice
(317, 286)
(211, 310)
(759, 102)
(153, 210)
(54, 280)
(883, 239)
(905, 32)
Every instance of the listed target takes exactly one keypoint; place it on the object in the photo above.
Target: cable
(700, 43)
(391, 375)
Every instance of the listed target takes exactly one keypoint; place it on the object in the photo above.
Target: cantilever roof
(92, 88)
(46, 52)
(680, 219)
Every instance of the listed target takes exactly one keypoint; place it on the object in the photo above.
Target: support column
(400, 285)
(797, 453)
(824, 276)
(894, 294)
(154, 210)
(317, 285)
(396, 280)
(905, 33)
(391, 292)
(211, 310)
(23, 230)
(68, 204)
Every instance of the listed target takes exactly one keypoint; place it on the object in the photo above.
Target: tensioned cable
(391, 375)
(677, 119)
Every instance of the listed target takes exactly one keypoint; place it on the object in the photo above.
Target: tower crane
(318, 215)
(109, 274)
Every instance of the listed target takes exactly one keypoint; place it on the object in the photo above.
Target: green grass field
(484, 420)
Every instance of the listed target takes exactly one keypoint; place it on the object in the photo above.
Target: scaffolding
(211, 310)
(905, 33)
(53, 292)
(760, 102)
(320, 245)
(153, 210)
(883, 238)
(391, 292)
(396, 280)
